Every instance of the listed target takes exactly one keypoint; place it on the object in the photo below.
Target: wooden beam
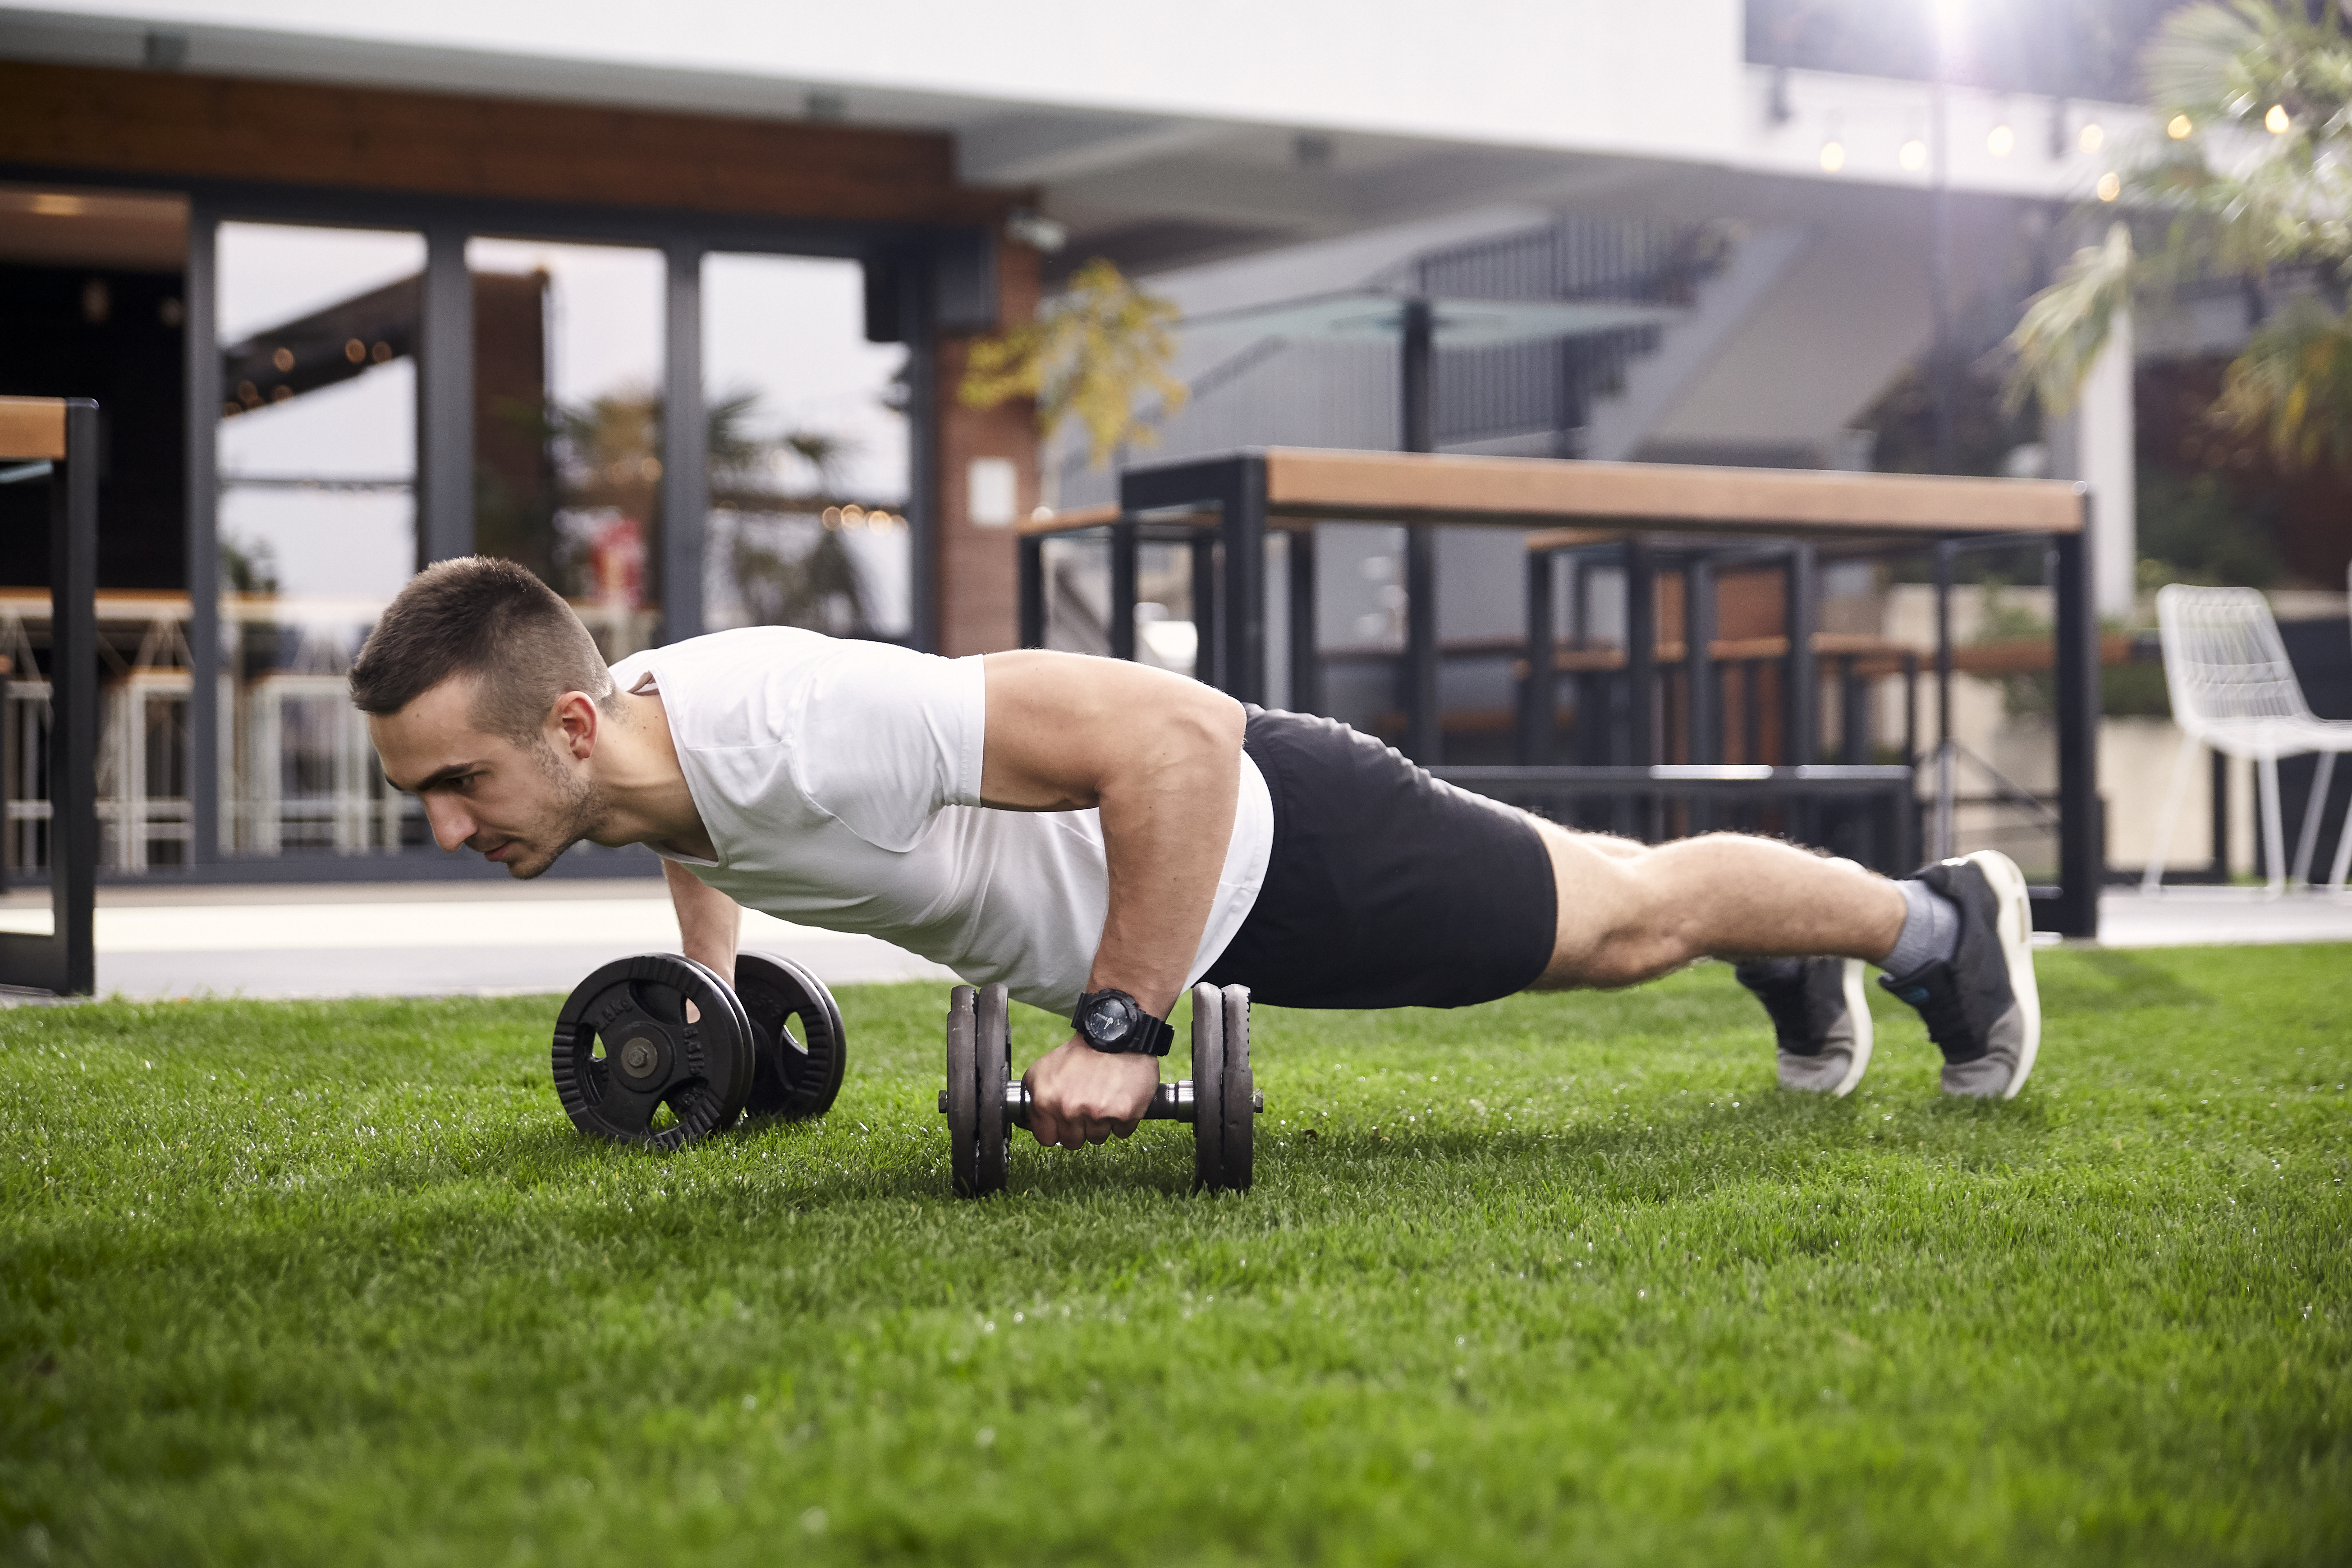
(32, 430)
(165, 125)
(1533, 492)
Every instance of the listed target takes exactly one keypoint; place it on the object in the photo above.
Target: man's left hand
(1078, 1095)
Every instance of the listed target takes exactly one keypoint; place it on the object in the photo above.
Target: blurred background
(677, 306)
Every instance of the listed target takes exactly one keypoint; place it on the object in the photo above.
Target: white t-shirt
(840, 784)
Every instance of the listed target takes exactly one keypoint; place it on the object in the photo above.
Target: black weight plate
(796, 1037)
(1240, 1087)
(993, 1038)
(1208, 1087)
(623, 1052)
(963, 1083)
(740, 1031)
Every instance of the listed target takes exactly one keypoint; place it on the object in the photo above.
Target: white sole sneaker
(2016, 928)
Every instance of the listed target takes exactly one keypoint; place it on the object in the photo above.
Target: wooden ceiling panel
(152, 124)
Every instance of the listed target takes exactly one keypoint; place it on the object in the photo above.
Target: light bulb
(1914, 155)
(1832, 157)
(2001, 140)
(2092, 139)
(2179, 128)
(2276, 122)
(2110, 186)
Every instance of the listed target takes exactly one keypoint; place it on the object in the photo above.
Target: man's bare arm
(708, 922)
(1160, 757)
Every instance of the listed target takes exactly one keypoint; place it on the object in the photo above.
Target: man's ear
(576, 717)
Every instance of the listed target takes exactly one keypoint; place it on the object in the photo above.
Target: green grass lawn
(1561, 1279)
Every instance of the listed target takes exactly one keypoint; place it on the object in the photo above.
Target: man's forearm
(1167, 820)
(708, 922)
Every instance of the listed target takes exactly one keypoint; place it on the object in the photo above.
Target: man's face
(520, 805)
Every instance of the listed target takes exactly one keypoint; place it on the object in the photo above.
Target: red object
(616, 553)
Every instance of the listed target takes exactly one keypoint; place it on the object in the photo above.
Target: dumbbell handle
(1170, 1102)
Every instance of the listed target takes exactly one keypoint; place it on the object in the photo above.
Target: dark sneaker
(1981, 1008)
(1821, 1017)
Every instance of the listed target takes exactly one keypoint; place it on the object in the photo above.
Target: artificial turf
(1563, 1278)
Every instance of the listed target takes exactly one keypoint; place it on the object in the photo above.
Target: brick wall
(979, 590)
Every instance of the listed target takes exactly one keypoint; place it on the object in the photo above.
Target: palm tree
(2252, 182)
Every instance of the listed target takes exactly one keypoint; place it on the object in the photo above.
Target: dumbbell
(983, 1103)
(630, 1066)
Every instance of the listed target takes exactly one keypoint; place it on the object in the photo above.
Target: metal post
(1853, 712)
(1537, 691)
(1704, 741)
(1243, 666)
(73, 688)
(1122, 590)
(1424, 736)
(2081, 855)
(201, 347)
(1424, 732)
(445, 400)
(685, 478)
(1801, 696)
(919, 327)
(1945, 839)
(1642, 673)
(1203, 547)
(1306, 695)
(2221, 818)
(1801, 701)
(1705, 744)
(1032, 590)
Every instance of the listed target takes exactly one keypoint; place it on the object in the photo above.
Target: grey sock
(1931, 929)
(1770, 971)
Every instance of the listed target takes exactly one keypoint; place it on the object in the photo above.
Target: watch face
(1107, 1021)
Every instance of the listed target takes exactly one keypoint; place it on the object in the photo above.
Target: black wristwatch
(1115, 1022)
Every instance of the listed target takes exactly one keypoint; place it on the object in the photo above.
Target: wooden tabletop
(1582, 501)
(32, 430)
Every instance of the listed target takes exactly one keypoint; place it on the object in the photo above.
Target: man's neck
(645, 790)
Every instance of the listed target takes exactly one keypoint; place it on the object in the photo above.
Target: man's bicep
(1059, 724)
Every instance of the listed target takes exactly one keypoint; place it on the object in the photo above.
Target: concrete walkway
(482, 938)
(496, 939)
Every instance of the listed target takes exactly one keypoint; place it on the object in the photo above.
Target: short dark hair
(489, 619)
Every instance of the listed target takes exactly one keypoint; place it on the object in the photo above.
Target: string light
(2110, 186)
(2179, 128)
(2001, 142)
(1914, 155)
(2276, 122)
(2091, 138)
(1832, 156)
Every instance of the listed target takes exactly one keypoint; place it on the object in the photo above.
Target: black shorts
(1386, 888)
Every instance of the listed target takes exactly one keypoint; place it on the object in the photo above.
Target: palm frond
(2294, 384)
(2065, 327)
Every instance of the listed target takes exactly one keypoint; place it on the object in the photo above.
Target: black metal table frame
(1219, 505)
(65, 961)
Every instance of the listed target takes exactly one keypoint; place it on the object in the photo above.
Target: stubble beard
(580, 810)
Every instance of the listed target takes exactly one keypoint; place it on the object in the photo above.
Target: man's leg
(1629, 912)
(1959, 935)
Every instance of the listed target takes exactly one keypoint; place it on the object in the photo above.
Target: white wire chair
(2234, 688)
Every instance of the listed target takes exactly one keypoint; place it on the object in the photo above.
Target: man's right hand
(1078, 1095)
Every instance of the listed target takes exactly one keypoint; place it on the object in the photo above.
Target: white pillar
(2097, 445)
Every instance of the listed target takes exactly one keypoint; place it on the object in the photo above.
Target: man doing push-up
(1098, 836)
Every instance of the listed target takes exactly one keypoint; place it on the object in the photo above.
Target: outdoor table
(1225, 506)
